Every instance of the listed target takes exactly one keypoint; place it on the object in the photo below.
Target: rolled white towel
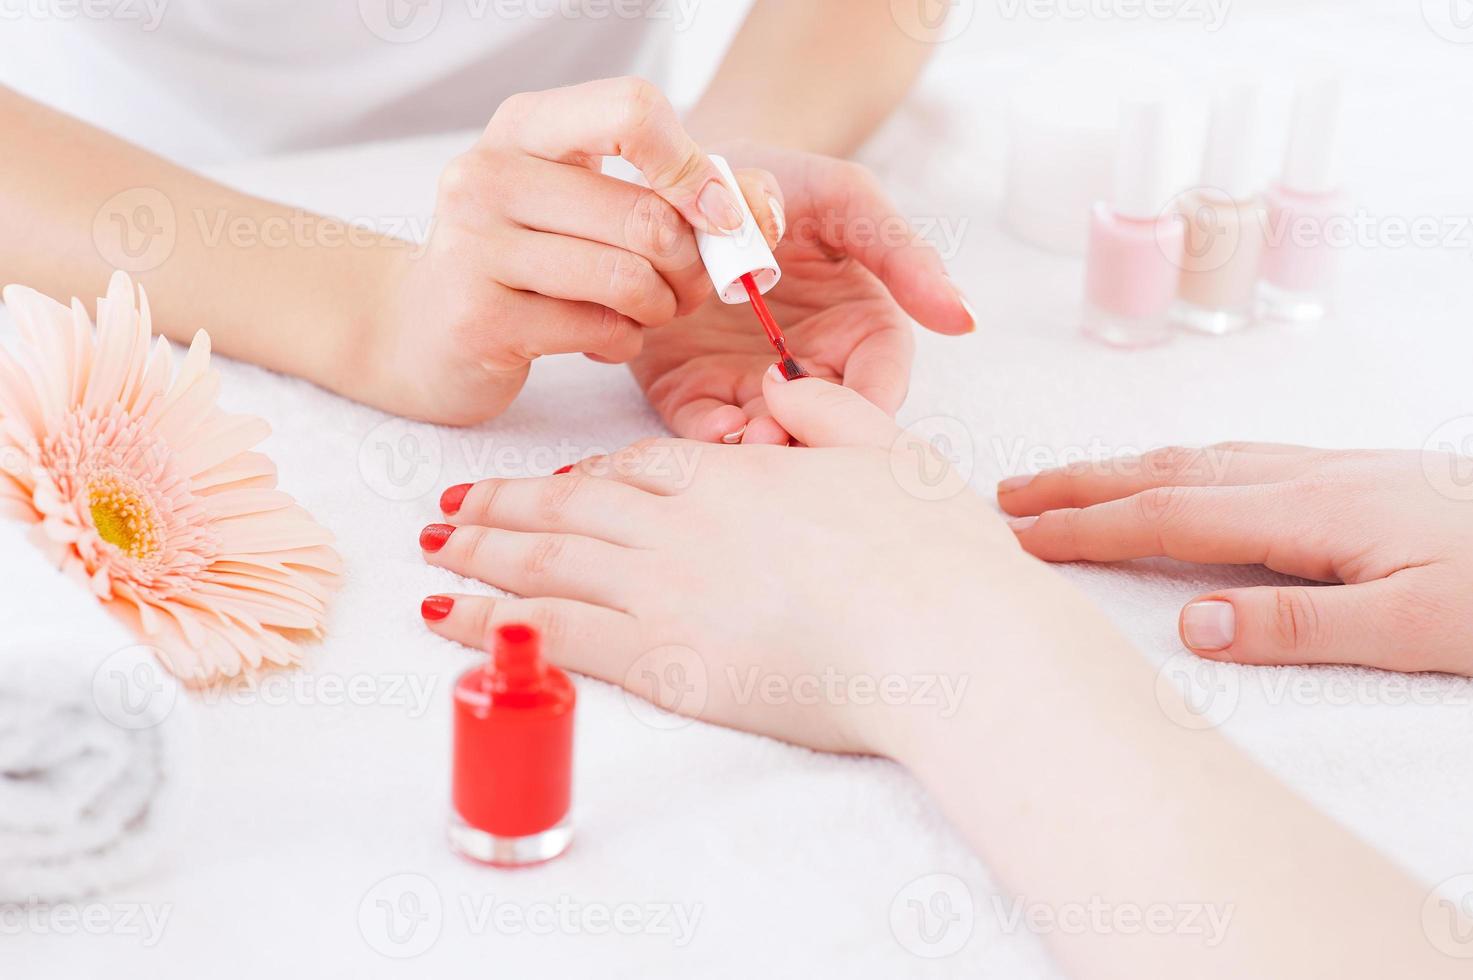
(93, 745)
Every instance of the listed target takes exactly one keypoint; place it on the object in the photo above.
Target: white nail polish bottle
(737, 253)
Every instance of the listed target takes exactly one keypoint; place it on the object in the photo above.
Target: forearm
(820, 76)
(1071, 780)
(282, 288)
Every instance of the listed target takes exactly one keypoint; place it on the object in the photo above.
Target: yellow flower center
(123, 516)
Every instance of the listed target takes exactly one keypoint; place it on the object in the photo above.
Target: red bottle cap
(513, 765)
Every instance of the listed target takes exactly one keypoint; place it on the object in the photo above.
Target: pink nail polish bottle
(1299, 259)
(1135, 246)
(1223, 220)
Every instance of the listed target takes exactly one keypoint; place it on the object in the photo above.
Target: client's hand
(534, 251)
(1374, 520)
(734, 569)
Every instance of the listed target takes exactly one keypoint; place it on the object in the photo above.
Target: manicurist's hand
(1382, 523)
(533, 251)
(854, 276)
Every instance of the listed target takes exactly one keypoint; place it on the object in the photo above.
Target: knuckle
(611, 329)
(556, 496)
(478, 551)
(1159, 506)
(655, 226)
(640, 101)
(625, 274)
(492, 500)
(512, 108)
(457, 175)
(1296, 622)
(544, 555)
(1169, 462)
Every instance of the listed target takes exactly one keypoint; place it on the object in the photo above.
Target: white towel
(91, 750)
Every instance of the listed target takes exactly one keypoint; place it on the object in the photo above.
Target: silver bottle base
(1288, 306)
(509, 852)
(1201, 319)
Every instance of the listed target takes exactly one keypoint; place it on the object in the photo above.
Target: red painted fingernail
(436, 607)
(433, 537)
(453, 497)
(565, 469)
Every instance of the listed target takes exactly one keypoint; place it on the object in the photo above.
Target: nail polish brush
(742, 269)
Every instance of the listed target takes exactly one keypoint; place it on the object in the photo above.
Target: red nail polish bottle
(513, 767)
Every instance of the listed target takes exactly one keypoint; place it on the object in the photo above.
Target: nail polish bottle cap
(730, 256)
(1143, 179)
(1227, 164)
(1309, 164)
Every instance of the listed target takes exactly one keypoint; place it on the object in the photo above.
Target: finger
(1226, 525)
(622, 117)
(879, 368)
(765, 198)
(571, 201)
(535, 565)
(764, 430)
(818, 413)
(1096, 481)
(582, 271)
(664, 467)
(1387, 623)
(572, 503)
(570, 631)
(555, 326)
(873, 231)
(702, 399)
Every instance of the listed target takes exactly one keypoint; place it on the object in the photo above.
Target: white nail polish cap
(1227, 164)
(1143, 178)
(1309, 164)
(738, 253)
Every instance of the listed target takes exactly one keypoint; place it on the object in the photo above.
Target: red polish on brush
(742, 269)
(513, 763)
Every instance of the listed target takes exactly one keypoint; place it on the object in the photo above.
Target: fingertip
(720, 425)
(765, 431)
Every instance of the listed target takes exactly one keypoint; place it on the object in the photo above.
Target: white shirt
(206, 80)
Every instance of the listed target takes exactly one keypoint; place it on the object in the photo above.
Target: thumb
(819, 413)
(1364, 624)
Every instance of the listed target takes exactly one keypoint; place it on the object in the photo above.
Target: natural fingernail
(775, 373)
(436, 607)
(433, 537)
(966, 307)
(732, 438)
(1209, 625)
(1015, 483)
(1021, 524)
(453, 497)
(779, 218)
(719, 205)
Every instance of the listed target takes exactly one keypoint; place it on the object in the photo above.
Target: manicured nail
(433, 537)
(1021, 524)
(719, 206)
(436, 607)
(732, 438)
(775, 373)
(565, 469)
(1015, 483)
(779, 218)
(966, 307)
(1209, 625)
(453, 497)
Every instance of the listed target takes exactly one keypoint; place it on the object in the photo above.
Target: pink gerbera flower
(139, 485)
